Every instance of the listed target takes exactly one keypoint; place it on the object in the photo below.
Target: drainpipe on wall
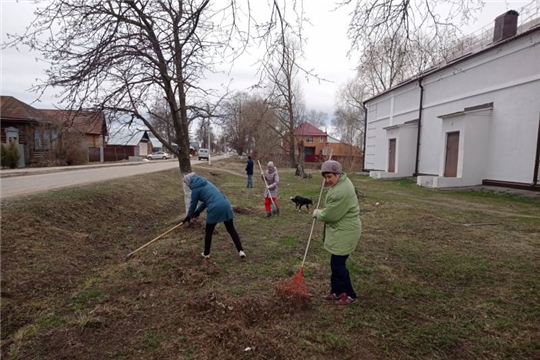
(419, 126)
(365, 135)
(537, 158)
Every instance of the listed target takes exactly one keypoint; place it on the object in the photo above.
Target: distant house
(37, 130)
(127, 144)
(471, 120)
(344, 152)
(17, 123)
(89, 124)
(314, 140)
(318, 145)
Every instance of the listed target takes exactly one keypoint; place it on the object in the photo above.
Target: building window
(321, 139)
(44, 139)
(12, 135)
(309, 139)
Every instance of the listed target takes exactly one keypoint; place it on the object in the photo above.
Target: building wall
(393, 108)
(509, 77)
(342, 149)
(497, 145)
(319, 146)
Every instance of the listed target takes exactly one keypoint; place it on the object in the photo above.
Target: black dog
(301, 201)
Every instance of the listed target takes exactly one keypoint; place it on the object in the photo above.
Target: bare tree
(349, 114)
(120, 55)
(375, 20)
(316, 118)
(382, 65)
(285, 97)
(205, 134)
(162, 121)
(242, 117)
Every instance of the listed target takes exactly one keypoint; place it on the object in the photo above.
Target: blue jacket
(217, 205)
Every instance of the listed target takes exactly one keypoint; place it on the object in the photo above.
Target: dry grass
(440, 275)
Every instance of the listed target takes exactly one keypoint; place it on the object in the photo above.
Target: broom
(273, 205)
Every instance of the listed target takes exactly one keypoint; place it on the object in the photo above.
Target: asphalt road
(39, 182)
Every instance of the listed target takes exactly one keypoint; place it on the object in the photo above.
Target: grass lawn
(439, 274)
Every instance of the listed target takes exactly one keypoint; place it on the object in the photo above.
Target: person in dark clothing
(218, 210)
(249, 172)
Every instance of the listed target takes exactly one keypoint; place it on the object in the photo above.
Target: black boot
(268, 214)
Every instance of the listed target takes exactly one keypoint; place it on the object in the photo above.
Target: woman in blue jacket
(218, 210)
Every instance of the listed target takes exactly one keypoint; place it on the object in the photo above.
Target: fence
(109, 154)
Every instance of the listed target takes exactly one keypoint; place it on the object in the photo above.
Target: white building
(474, 120)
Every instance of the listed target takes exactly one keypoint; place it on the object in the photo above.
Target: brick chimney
(505, 26)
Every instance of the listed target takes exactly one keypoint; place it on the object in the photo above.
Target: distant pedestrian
(342, 229)
(270, 193)
(249, 172)
(219, 210)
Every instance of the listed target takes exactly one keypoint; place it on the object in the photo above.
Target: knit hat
(270, 164)
(187, 177)
(331, 166)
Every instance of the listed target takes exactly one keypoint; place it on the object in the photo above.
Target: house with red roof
(314, 140)
(318, 145)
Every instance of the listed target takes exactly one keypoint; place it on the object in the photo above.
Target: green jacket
(341, 217)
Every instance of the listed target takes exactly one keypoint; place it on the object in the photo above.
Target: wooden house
(319, 145)
(17, 123)
(126, 144)
(37, 130)
(91, 125)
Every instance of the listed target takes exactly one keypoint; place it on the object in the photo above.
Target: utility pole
(209, 143)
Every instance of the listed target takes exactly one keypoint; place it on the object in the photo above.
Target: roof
(306, 129)
(128, 138)
(86, 122)
(155, 142)
(14, 109)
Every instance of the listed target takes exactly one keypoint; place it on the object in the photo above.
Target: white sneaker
(242, 254)
(205, 256)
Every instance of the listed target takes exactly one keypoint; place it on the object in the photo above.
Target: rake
(296, 288)
(128, 256)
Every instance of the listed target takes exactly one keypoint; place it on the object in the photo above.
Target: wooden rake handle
(315, 219)
(153, 240)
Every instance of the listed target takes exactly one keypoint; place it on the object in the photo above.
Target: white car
(203, 154)
(159, 155)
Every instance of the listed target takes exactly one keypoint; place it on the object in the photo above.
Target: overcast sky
(326, 52)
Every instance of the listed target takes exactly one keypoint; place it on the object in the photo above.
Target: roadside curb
(45, 170)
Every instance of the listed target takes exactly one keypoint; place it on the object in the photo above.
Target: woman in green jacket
(342, 229)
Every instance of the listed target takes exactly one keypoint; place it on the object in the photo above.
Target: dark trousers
(229, 225)
(340, 281)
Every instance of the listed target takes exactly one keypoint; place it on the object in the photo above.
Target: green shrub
(71, 149)
(11, 155)
(4, 159)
